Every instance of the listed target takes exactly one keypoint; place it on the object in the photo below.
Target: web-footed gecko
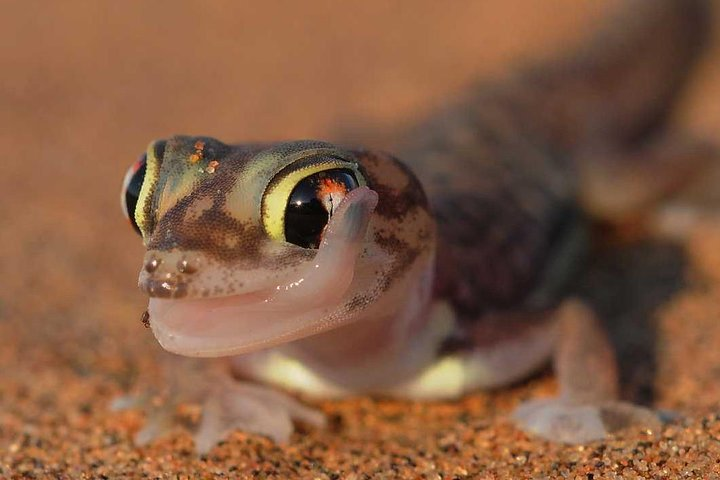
(340, 271)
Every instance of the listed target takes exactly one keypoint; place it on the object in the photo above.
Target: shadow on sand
(627, 286)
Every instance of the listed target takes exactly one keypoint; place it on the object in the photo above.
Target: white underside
(449, 377)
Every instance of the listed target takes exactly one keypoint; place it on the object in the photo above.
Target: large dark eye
(131, 190)
(312, 202)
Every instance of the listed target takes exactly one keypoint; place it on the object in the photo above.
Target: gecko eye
(312, 202)
(299, 201)
(132, 184)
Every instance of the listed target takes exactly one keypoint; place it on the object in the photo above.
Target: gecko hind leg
(623, 185)
(587, 407)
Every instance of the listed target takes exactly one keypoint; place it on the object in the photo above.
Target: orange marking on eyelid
(198, 155)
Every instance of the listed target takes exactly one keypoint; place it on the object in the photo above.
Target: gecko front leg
(587, 407)
(226, 404)
(250, 407)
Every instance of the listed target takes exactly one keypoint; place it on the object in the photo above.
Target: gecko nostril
(186, 266)
(152, 264)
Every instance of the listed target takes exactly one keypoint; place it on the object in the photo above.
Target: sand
(85, 86)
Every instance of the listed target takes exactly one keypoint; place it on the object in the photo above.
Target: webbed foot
(587, 407)
(226, 405)
(251, 408)
(562, 421)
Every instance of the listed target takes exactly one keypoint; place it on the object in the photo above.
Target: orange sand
(85, 86)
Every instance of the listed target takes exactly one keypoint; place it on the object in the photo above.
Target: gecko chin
(305, 303)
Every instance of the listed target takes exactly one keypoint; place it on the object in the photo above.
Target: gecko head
(251, 246)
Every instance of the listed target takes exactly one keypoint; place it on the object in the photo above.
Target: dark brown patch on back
(494, 253)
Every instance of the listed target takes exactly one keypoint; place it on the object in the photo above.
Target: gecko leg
(587, 407)
(226, 404)
(627, 184)
(250, 407)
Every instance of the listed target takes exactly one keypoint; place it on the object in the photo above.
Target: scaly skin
(434, 278)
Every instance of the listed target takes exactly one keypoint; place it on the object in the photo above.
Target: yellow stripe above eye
(278, 192)
(143, 214)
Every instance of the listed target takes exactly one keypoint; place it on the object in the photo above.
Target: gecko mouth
(302, 305)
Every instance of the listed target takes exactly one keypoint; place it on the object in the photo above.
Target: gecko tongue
(300, 307)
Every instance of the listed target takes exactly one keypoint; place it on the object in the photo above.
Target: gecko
(425, 274)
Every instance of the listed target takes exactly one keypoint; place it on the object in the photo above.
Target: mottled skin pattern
(200, 214)
(506, 168)
(462, 253)
(502, 168)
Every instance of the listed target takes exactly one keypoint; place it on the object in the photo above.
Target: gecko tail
(609, 102)
(621, 86)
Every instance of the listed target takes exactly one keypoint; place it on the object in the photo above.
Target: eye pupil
(131, 191)
(311, 205)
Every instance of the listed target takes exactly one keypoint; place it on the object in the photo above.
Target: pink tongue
(242, 323)
(328, 277)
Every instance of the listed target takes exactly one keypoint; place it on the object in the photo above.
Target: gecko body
(339, 271)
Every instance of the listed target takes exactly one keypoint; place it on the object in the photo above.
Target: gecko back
(515, 168)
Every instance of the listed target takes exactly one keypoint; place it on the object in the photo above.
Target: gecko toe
(255, 409)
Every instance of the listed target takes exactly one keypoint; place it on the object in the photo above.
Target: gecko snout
(167, 275)
(182, 265)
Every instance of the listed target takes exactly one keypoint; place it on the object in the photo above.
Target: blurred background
(86, 85)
